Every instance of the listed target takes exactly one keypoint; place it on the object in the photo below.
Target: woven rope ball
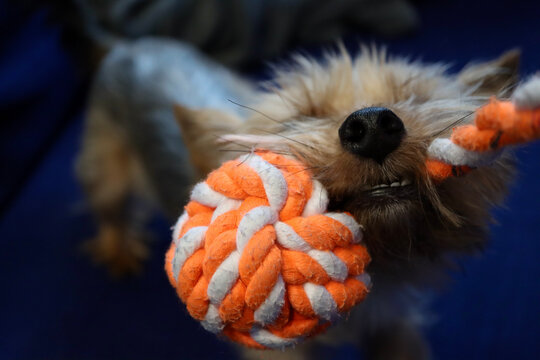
(257, 258)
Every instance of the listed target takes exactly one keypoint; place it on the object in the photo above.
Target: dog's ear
(496, 77)
(201, 130)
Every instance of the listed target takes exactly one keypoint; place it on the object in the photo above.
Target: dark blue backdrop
(55, 305)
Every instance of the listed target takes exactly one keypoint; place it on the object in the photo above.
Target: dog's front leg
(108, 172)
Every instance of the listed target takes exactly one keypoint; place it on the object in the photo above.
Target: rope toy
(257, 258)
(497, 125)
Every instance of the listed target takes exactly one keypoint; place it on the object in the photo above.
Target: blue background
(55, 304)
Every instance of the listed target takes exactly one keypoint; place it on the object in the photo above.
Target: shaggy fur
(409, 234)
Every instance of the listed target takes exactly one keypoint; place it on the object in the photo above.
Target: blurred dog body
(132, 148)
(135, 144)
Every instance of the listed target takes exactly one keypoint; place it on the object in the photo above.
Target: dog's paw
(120, 251)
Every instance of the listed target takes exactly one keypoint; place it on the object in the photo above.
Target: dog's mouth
(378, 195)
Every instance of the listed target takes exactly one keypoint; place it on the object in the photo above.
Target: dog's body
(134, 145)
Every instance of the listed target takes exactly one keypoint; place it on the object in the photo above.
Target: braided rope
(497, 125)
(255, 257)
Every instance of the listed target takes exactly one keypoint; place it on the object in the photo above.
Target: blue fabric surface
(39, 89)
(56, 305)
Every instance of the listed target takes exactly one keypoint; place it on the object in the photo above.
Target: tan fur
(203, 127)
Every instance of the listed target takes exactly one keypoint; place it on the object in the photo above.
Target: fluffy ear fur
(496, 77)
(202, 130)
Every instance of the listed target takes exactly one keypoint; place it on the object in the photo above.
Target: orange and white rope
(255, 256)
(497, 125)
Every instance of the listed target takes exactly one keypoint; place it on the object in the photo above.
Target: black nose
(372, 132)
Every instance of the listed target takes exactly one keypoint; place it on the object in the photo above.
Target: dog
(162, 116)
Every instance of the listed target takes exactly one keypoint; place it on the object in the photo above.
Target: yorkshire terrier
(361, 124)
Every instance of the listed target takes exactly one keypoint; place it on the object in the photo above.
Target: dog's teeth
(406, 182)
(393, 184)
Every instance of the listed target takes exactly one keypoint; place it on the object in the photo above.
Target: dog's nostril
(390, 123)
(355, 131)
(372, 132)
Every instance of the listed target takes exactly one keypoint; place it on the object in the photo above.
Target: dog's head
(362, 127)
